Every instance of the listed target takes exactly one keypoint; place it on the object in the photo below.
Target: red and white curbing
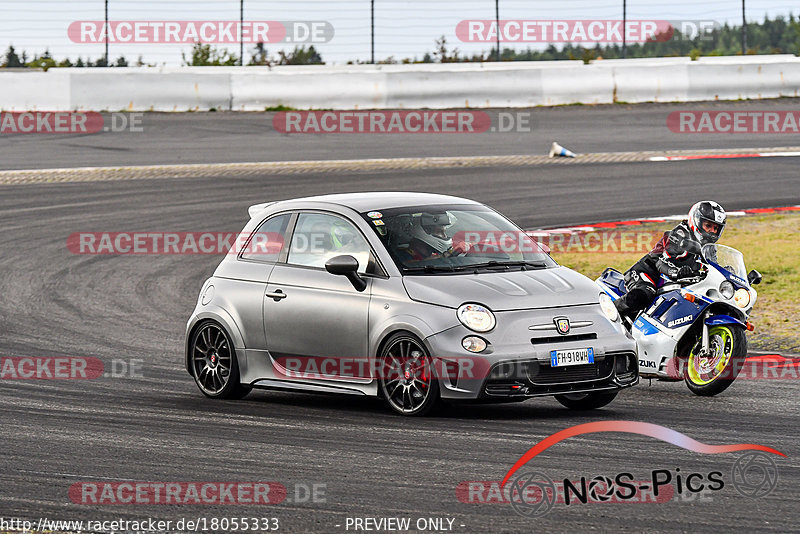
(726, 156)
(594, 227)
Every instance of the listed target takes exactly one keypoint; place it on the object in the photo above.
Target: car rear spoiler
(257, 208)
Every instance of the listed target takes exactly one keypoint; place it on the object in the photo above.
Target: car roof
(382, 200)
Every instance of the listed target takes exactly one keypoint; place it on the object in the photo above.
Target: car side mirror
(754, 277)
(346, 266)
(544, 248)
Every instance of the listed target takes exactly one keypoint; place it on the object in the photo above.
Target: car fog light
(473, 344)
(726, 289)
(742, 297)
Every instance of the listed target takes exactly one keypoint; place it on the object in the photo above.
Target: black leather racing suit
(668, 257)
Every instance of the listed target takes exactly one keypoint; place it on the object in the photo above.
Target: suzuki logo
(562, 325)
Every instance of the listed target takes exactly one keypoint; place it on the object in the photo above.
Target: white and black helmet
(714, 217)
(432, 228)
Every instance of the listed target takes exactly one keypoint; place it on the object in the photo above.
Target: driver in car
(429, 238)
(676, 255)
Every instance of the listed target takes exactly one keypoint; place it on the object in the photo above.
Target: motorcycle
(694, 330)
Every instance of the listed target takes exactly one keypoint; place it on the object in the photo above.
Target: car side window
(319, 237)
(267, 241)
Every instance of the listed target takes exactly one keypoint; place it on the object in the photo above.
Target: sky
(403, 29)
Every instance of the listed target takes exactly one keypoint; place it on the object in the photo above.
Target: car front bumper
(516, 364)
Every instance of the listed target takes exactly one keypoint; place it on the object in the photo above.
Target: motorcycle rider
(676, 255)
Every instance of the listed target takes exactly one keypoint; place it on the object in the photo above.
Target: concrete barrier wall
(455, 85)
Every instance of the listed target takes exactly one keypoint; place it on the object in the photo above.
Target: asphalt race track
(157, 427)
(235, 137)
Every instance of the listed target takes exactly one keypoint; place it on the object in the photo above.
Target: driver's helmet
(330, 237)
(431, 229)
(707, 221)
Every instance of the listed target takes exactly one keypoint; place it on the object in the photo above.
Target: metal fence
(346, 30)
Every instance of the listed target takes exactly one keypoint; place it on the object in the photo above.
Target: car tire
(587, 401)
(213, 362)
(407, 381)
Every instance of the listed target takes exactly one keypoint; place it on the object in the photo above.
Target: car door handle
(277, 295)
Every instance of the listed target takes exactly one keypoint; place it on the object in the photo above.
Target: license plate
(562, 358)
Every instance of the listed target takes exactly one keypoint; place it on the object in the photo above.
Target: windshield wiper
(494, 264)
(430, 269)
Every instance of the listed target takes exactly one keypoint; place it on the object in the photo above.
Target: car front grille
(563, 339)
(539, 373)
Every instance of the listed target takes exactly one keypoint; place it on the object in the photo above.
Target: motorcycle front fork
(704, 344)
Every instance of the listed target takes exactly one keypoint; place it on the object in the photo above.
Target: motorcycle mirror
(754, 277)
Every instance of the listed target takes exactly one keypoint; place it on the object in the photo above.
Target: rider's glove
(685, 272)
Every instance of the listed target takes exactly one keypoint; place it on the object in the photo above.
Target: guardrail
(450, 85)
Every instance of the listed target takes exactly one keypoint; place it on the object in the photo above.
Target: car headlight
(476, 317)
(726, 290)
(607, 305)
(741, 297)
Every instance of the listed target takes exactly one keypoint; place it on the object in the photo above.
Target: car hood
(503, 291)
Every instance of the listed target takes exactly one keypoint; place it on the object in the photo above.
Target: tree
(442, 54)
(204, 55)
(45, 61)
(260, 56)
(12, 60)
(122, 62)
(300, 56)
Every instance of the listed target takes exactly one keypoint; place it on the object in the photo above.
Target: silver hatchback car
(408, 296)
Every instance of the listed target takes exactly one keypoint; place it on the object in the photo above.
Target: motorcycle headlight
(607, 305)
(726, 290)
(476, 317)
(741, 297)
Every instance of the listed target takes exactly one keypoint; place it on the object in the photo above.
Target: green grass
(769, 244)
(279, 107)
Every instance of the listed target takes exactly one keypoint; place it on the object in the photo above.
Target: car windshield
(452, 238)
(728, 258)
